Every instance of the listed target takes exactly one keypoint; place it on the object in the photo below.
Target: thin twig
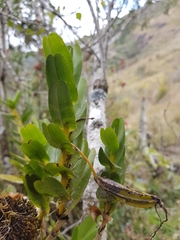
(52, 10)
(73, 225)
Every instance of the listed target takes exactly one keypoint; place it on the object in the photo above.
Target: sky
(85, 25)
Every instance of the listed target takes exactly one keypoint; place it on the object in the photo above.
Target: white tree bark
(97, 112)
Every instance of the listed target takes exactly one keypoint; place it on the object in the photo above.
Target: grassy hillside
(146, 63)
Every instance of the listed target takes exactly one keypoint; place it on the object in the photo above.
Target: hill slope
(146, 63)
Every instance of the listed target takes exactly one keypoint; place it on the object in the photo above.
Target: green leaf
(81, 104)
(116, 177)
(78, 166)
(109, 139)
(35, 121)
(31, 132)
(78, 15)
(77, 61)
(79, 128)
(87, 230)
(51, 73)
(120, 161)
(54, 153)
(27, 113)
(60, 106)
(57, 138)
(105, 160)
(7, 115)
(54, 44)
(51, 187)
(119, 155)
(35, 168)
(29, 170)
(38, 168)
(35, 150)
(10, 23)
(54, 168)
(75, 233)
(36, 198)
(64, 74)
(12, 103)
(79, 187)
(79, 140)
(11, 178)
(57, 68)
(18, 158)
(103, 4)
(118, 126)
(16, 164)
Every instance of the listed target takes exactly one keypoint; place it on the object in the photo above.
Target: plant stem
(87, 160)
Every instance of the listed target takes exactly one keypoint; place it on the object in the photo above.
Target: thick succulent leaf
(11, 178)
(51, 73)
(57, 68)
(120, 161)
(55, 168)
(118, 126)
(7, 115)
(77, 60)
(12, 103)
(60, 105)
(39, 168)
(54, 44)
(34, 168)
(78, 166)
(54, 153)
(16, 164)
(106, 161)
(78, 191)
(35, 150)
(64, 74)
(52, 187)
(78, 130)
(109, 138)
(116, 176)
(79, 140)
(29, 170)
(35, 121)
(27, 113)
(81, 103)
(87, 230)
(79, 127)
(36, 198)
(31, 132)
(57, 138)
(18, 158)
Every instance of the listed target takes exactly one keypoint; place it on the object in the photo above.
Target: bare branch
(73, 225)
(52, 9)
